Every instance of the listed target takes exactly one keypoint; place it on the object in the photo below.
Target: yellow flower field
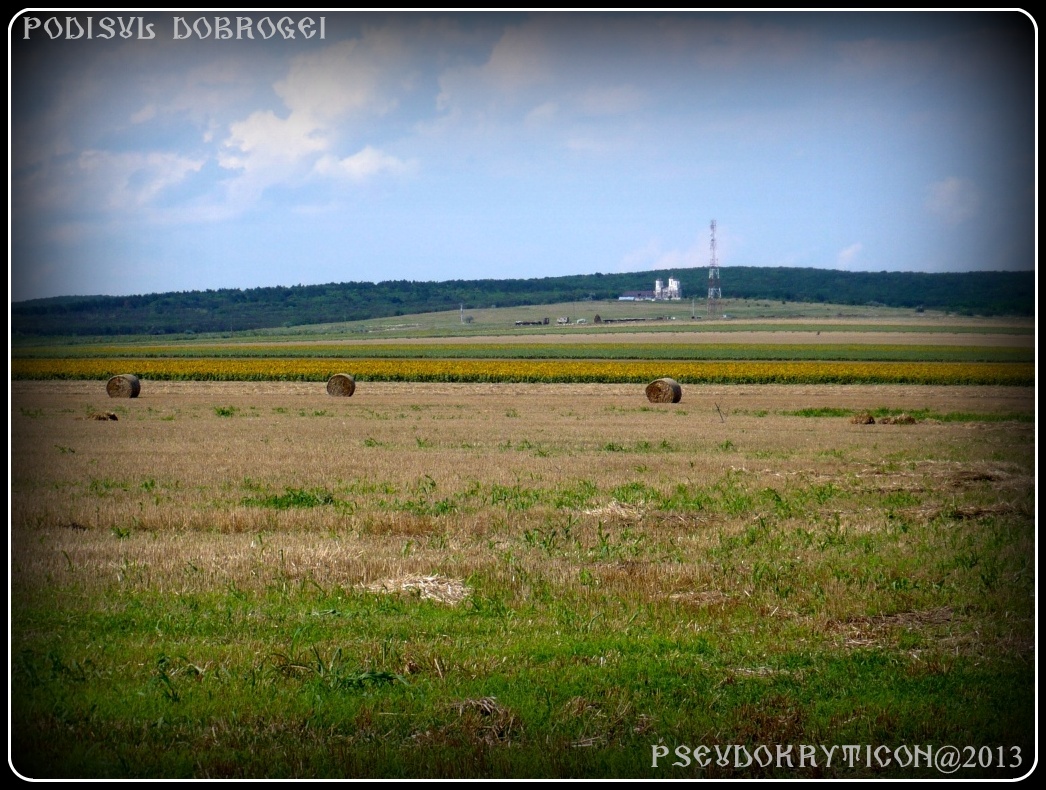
(493, 370)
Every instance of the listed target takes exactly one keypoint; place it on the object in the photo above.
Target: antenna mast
(715, 292)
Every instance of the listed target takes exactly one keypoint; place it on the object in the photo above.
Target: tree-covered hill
(973, 293)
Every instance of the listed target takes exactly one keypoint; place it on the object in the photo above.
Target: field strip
(750, 397)
(812, 336)
(538, 371)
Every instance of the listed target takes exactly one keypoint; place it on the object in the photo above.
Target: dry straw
(863, 419)
(125, 385)
(430, 588)
(664, 391)
(900, 419)
(341, 385)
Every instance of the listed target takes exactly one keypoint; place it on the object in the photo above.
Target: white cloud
(354, 77)
(126, 181)
(953, 200)
(848, 256)
(147, 113)
(264, 140)
(328, 95)
(368, 162)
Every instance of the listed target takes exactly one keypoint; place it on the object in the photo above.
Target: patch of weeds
(226, 411)
(625, 546)
(425, 507)
(514, 497)
(777, 576)
(687, 497)
(899, 499)
(613, 447)
(820, 411)
(64, 450)
(31, 413)
(295, 498)
(837, 454)
(163, 680)
(105, 486)
(732, 498)
(424, 443)
(576, 496)
(334, 674)
(279, 409)
(636, 493)
(370, 442)
(550, 538)
(512, 413)
(486, 606)
(824, 492)
(121, 533)
(782, 507)
(955, 416)
(726, 446)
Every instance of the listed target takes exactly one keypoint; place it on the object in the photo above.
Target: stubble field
(254, 579)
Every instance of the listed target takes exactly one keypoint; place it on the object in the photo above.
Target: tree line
(229, 309)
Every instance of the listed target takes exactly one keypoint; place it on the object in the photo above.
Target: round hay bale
(341, 385)
(125, 385)
(664, 391)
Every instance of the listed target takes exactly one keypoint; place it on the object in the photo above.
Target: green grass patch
(294, 498)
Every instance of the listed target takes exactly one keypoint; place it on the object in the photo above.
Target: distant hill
(970, 293)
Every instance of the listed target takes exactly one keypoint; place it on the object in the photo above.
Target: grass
(221, 601)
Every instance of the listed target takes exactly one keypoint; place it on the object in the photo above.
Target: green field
(256, 580)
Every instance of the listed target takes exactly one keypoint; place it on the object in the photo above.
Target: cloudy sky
(446, 146)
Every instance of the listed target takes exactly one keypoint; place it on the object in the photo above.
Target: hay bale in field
(664, 391)
(125, 385)
(900, 419)
(863, 419)
(341, 385)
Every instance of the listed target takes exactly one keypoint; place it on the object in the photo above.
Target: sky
(438, 146)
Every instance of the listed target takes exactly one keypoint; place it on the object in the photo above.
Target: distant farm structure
(542, 322)
(661, 293)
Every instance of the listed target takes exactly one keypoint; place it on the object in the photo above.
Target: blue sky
(457, 146)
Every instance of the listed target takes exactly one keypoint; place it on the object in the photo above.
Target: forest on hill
(226, 310)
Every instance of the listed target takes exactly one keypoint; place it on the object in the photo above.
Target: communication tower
(715, 292)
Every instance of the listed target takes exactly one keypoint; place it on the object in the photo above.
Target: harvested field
(434, 580)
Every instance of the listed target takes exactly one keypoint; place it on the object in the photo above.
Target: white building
(673, 291)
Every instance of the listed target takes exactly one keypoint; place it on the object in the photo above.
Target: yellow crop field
(537, 371)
